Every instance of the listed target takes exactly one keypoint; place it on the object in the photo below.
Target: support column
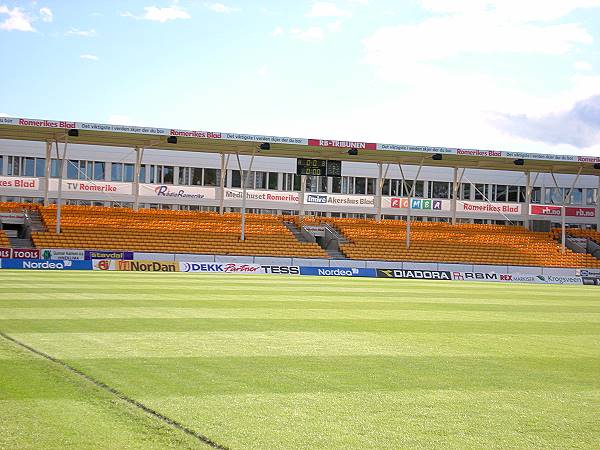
(528, 189)
(378, 187)
(302, 194)
(410, 196)
(139, 154)
(244, 178)
(598, 206)
(566, 195)
(47, 173)
(61, 175)
(224, 164)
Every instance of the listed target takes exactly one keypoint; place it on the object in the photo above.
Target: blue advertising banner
(45, 264)
(337, 271)
(107, 254)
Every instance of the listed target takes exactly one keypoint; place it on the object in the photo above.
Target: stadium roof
(288, 147)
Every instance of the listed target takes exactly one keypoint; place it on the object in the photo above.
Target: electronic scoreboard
(318, 167)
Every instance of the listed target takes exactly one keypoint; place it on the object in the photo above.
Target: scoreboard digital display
(318, 167)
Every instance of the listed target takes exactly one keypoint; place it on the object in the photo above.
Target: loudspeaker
(353, 151)
(73, 132)
(172, 140)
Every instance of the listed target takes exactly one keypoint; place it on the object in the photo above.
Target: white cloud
(278, 31)
(221, 8)
(335, 26)
(583, 66)
(311, 34)
(162, 15)
(514, 10)
(46, 14)
(17, 20)
(4, 114)
(89, 57)
(263, 71)
(82, 33)
(326, 9)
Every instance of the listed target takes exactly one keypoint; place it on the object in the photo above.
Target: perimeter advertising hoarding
(63, 254)
(238, 268)
(367, 201)
(45, 264)
(135, 266)
(20, 253)
(338, 272)
(415, 274)
(106, 187)
(107, 254)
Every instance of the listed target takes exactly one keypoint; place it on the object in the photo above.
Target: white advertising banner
(418, 204)
(489, 208)
(20, 183)
(264, 196)
(170, 192)
(108, 187)
(367, 201)
(63, 254)
(109, 128)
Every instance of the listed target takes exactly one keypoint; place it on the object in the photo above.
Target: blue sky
(503, 74)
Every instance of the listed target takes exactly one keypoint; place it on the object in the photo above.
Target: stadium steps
(35, 221)
(296, 232)
(20, 242)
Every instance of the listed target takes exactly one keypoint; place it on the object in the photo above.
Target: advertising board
(163, 191)
(45, 264)
(20, 253)
(26, 183)
(415, 274)
(63, 254)
(135, 266)
(107, 254)
(337, 271)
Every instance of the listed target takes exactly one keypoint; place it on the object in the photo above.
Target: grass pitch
(284, 362)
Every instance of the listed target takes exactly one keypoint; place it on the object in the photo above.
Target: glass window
(590, 195)
(14, 165)
(143, 173)
(273, 178)
(465, 191)
(360, 185)
(480, 193)
(347, 185)
(40, 167)
(29, 167)
(371, 185)
(322, 184)
(261, 180)
(211, 177)
(395, 190)
(184, 176)
(385, 189)
(499, 193)
(116, 172)
(168, 173)
(236, 180)
(577, 196)
(72, 170)
(536, 195)
(128, 170)
(439, 189)
(513, 193)
(311, 183)
(99, 170)
(336, 185)
(419, 188)
(1, 164)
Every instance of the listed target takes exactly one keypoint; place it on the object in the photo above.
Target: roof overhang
(286, 147)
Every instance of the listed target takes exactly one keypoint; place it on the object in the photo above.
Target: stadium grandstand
(89, 186)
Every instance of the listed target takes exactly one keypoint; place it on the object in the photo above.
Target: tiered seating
(463, 243)
(577, 232)
(4, 242)
(171, 232)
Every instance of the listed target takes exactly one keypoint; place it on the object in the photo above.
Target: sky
(518, 75)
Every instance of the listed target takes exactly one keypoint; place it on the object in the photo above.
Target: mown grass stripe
(174, 423)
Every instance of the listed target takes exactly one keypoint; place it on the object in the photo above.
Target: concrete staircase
(296, 232)
(20, 242)
(35, 222)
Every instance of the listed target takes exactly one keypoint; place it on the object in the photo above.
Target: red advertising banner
(20, 253)
(570, 211)
(342, 144)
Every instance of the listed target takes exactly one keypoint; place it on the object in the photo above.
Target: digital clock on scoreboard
(318, 167)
